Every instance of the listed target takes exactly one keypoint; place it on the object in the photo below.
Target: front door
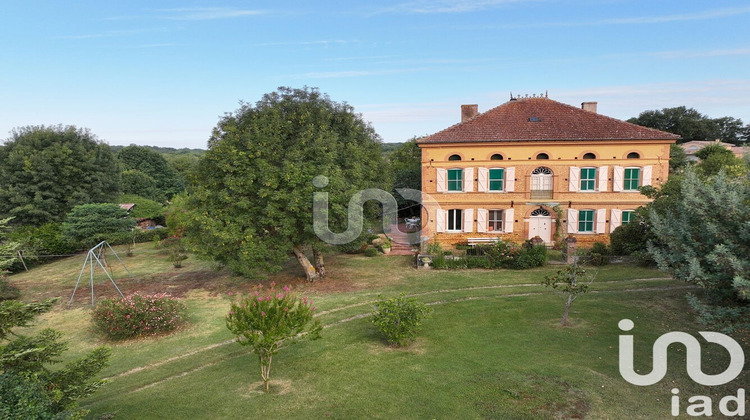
(540, 224)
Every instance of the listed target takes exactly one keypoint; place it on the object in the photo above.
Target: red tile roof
(556, 121)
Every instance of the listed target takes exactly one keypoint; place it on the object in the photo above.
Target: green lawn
(491, 349)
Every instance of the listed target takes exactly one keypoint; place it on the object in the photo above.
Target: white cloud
(351, 73)
(111, 34)
(307, 43)
(703, 15)
(448, 6)
(701, 54)
(207, 13)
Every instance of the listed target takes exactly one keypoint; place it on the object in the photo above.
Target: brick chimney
(589, 106)
(468, 112)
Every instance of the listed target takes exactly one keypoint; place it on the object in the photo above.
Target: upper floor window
(455, 220)
(588, 179)
(627, 216)
(586, 221)
(455, 179)
(632, 179)
(589, 156)
(454, 157)
(497, 156)
(634, 155)
(542, 156)
(541, 183)
(496, 179)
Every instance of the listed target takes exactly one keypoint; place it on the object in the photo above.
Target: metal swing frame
(95, 254)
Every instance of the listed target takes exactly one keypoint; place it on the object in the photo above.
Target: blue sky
(162, 73)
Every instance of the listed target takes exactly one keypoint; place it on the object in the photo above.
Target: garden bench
(484, 240)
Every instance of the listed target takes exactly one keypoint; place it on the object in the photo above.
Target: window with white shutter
(441, 218)
(603, 181)
(469, 180)
(508, 215)
(442, 180)
(510, 179)
(647, 174)
(615, 219)
(572, 221)
(482, 220)
(573, 178)
(468, 220)
(482, 179)
(601, 220)
(618, 179)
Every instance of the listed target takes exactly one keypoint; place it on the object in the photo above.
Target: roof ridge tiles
(511, 121)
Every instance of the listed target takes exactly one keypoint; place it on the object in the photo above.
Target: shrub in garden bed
(399, 318)
(501, 254)
(138, 315)
(371, 252)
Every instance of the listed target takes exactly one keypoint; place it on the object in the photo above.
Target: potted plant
(385, 246)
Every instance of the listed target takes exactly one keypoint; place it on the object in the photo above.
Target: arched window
(589, 156)
(497, 156)
(542, 156)
(540, 212)
(634, 155)
(541, 183)
(542, 170)
(454, 157)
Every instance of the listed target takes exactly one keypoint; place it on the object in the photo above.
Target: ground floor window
(495, 221)
(586, 221)
(627, 216)
(454, 220)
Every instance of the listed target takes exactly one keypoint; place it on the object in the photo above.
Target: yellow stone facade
(556, 196)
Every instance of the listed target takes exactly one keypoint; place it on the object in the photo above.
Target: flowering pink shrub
(138, 315)
(269, 319)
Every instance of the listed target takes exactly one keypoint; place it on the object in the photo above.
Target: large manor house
(537, 167)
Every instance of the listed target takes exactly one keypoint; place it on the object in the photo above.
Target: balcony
(541, 194)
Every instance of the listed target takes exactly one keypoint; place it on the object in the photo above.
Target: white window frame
(630, 217)
(457, 222)
(448, 180)
(499, 221)
(625, 180)
(593, 221)
(593, 179)
(489, 180)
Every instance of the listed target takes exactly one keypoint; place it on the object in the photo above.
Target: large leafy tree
(147, 173)
(406, 167)
(89, 224)
(703, 237)
(692, 125)
(46, 170)
(252, 202)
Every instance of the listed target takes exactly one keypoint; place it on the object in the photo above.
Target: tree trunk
(320, 267)
(310, 273)
(564, 321)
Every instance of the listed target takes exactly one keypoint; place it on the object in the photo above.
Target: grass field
(491, 349)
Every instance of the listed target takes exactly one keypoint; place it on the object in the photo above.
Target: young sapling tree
(268, 320)
(572, 281)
